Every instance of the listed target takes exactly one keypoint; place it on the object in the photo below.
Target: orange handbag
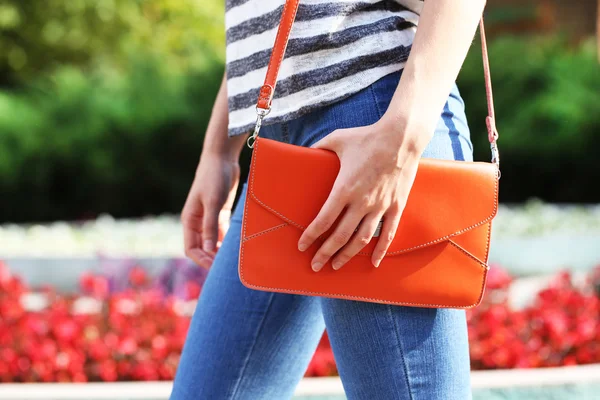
(438, 257)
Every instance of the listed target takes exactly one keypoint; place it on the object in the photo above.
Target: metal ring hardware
(260, 114)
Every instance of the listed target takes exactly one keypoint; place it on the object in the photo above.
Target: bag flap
(448, 198)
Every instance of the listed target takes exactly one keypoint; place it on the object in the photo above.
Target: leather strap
(491, 118)
(288, 16)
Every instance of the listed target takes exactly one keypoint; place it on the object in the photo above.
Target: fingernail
(337, 265)
(302, 246)
(376, 263)
(316, 266)
(208, 245)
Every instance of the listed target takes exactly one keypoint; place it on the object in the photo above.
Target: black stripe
(229, 4)
(294, 114)
(321, 76)
(320, 42)
(306, 12)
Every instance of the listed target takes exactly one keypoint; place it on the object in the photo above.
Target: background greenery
(103, 104)
(547, 98)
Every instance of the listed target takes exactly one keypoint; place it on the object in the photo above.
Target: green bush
(77, 145)
(104, 104)
(38, 37)
(547, 97)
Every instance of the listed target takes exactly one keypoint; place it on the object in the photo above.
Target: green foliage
(105, 103)
(547, 97)
(76, 145)
(39, 36)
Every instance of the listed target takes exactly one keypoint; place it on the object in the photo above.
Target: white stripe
(312, 2)
(324, 58)
(306, 29)
(256, 8)
(314, 95)
(415, 5)
(249, 10)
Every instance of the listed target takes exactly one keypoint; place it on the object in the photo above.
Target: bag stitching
(466, 252)
(362, 298)
(439, 240)
(489, 236)
(245, 239)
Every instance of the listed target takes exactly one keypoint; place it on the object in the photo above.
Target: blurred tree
(575, 18)
(547, 98)
(38, 36)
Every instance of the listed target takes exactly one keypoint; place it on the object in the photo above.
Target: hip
(451, 139)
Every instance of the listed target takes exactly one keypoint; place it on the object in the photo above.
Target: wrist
(211, 162)
(408, 134)
(225, 154)
(224, 147)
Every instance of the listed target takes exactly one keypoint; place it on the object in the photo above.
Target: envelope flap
(448, 198)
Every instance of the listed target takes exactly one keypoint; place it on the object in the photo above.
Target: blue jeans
(251, 345)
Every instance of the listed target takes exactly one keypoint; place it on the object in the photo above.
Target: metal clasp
(495, 156)
(260, 114)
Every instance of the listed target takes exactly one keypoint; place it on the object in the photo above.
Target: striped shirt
(336, 48)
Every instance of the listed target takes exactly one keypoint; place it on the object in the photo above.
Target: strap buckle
(260, 114)
(495, 153)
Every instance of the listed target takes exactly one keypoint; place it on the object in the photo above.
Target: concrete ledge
(559, 376)
(543, 377)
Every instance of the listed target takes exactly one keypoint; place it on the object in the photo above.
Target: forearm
(443, 38)
(216, 140)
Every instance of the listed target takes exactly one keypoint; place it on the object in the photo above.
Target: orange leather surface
(437, 259)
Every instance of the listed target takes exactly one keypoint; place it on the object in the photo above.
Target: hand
(378, 167)
(207, 210)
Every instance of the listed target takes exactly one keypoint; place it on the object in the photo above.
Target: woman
(358, 79)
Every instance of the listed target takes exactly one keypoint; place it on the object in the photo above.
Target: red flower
(137, 335)
(127, 346)
(192, 290)
(98, 350)
(100, 287)
(108, 371)
(159, 348)
(138, 276)
(498, 278)
(66, 331)
(87, 282)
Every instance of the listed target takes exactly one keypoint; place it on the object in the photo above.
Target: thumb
(329, 142)
(210, 229)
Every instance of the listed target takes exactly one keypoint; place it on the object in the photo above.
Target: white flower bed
(148, 237)
(538, 219)
(162, 236)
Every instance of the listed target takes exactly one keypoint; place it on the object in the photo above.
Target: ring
(378, 229)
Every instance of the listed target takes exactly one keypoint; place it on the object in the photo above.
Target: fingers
(200, 257)
(192, 238)
(338, 239)
(388, 232)
(329, 213)
(346, 237)
(193, 218)
(210, 228)
(361, 238)
(224, 222)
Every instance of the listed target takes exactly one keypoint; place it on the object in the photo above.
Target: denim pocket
(383, 90)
